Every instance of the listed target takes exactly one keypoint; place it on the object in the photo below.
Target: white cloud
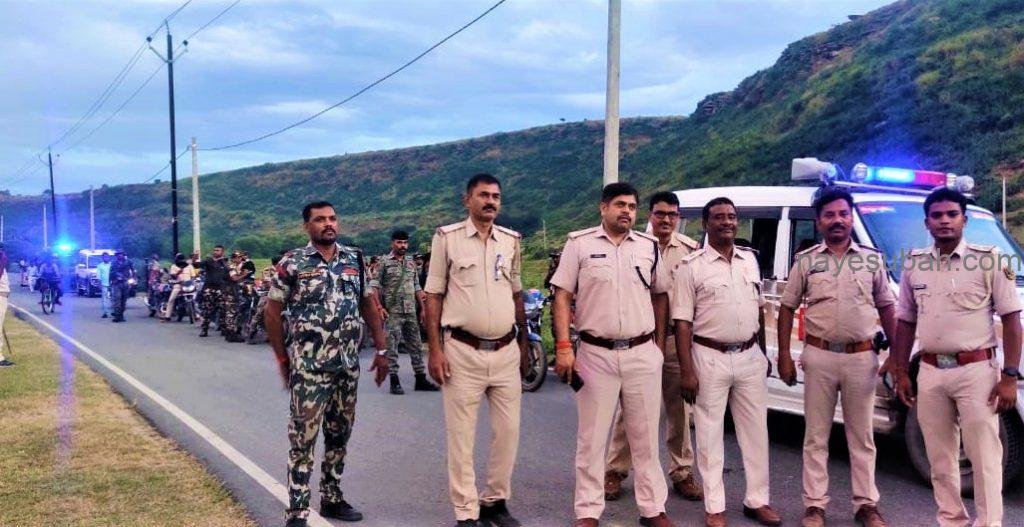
(304, 108)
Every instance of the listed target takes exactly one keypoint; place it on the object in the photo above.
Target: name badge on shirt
(919, 287)
(816, 270)
(310, 274)
(602, 255)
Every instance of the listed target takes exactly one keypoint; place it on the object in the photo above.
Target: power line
(212, 20)
(366, 88)
(107, 92)
(161, 171)
(118, 110)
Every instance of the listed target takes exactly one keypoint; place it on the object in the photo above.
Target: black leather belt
(476, 342)
(724, 347)
(614, 344)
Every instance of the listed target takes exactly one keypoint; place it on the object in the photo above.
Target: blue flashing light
(890, 175)
(64, 247)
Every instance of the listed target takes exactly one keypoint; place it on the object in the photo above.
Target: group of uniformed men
(660, 319)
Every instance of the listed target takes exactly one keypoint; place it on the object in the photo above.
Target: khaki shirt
(953, 299)
(608, 280)
(843, 294)
(477, 278)
(679, 246)
(721, 299)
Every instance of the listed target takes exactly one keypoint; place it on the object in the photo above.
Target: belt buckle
(620, 344)
(946, 361)
(733, 348)
(836, 347)
(488, 345)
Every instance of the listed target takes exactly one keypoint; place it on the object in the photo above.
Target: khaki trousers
(3, 313)
(677, 424)
(736, 379)
(851, 378)
(952, 403)
(476, 374)
(630, 377)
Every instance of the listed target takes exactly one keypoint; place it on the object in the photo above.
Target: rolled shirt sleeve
(567, 275)
(880, 284)
(515, 271)
(906, 308)
(283, 281)
(793, 294)
(1004, 288)
(683, 293)
(437, 275)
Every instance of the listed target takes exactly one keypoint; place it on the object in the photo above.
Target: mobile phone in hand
(577, 381)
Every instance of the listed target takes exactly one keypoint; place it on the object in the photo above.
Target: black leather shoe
(233, 337)
(424, 385)
(296, 522)
(468, 523)
(496, 515)
(340, 510)
(204, 333)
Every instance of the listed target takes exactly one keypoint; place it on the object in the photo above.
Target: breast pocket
(752, 287)
(715, 292)
(596, 273)
(312, 288)
(972, 296)
(642, 268)
(922, 297)
(466, 271)
(821, 286)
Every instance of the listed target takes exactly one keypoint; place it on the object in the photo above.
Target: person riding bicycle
(49, 273)
(180, 271)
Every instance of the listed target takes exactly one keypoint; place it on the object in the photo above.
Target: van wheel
(1011, 432)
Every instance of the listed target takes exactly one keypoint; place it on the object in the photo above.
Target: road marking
(274, 487)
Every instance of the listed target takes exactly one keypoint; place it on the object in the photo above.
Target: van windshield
(897, 227)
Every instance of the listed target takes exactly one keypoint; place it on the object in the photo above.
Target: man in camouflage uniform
(215, 276)
(241, 280)
(323, 287)
(397, 283)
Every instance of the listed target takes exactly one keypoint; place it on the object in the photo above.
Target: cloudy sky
(265, 64)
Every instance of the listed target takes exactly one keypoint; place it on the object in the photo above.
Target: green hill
(933, 84)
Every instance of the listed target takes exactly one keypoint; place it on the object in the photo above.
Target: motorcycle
(186, 302)
(536, 356)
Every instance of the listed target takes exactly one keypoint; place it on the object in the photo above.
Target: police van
(889, 216)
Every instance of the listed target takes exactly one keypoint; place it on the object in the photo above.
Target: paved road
(396, 464)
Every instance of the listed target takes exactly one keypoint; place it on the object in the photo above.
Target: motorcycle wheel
(47, 304)
(538, 370)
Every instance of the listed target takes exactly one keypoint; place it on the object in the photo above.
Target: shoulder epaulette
(693, 256)
(308, 250)
(812, 248)
(508, 231)
(576, 234)
(650, 237)
(919, 252)
(687, 241)
(745, 248)
(981, 248)
(450, 228)
(872, 249)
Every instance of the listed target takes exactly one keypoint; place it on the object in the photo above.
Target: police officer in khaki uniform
(475, 319)
(716, 308)
(949, 294)
(846, 287)
(664, 219)
(610, 270)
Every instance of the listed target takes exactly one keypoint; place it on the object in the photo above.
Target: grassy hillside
(933, 84)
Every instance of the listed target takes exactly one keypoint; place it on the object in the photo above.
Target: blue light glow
(890, 175)
(65, 247)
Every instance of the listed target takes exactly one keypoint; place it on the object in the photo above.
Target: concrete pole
(46, 242)
(611, 107)
(92, 221)
(1, 228)
(196, 242)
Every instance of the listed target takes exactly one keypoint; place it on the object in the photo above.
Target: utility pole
(196, 245)
(53, 195)
(1, 228)
(611, 105)
(169, 60)
(1004, 200)
(92, 221)
(46, 242)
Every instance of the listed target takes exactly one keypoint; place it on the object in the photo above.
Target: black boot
(396, 387)
(204, 333)
(496, 515)
(424, 385)
(233, 336)
(296, 522)
(340, 510)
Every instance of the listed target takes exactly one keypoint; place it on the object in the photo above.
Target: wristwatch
(381, 353)
(1012, 372)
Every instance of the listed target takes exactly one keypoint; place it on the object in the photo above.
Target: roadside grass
(81, 456)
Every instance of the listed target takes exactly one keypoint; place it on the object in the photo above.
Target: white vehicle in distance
(888, 215)
(86, 282)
